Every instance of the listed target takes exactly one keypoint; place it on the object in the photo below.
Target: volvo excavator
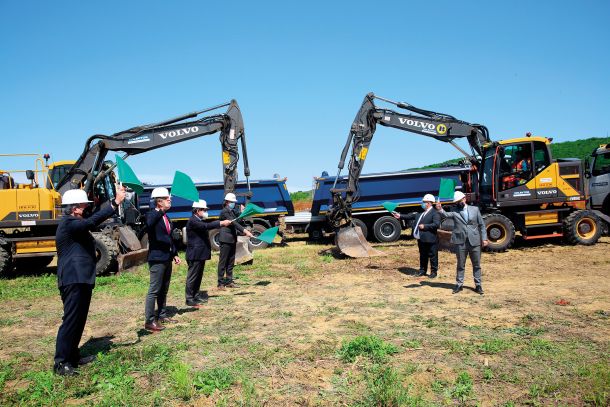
(516, 183)
(30, 213)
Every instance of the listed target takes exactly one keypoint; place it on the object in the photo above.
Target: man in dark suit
(228, 240)
(469, 233)
(161, 252)
(76, 273)
(424, 230)
(198, 250)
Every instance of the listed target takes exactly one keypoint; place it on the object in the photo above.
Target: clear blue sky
(299, 70)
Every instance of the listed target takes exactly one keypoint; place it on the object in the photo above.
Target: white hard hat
(159, 192)
(230, 197)
(74, 196)
(428, 198)
(201, 204)
(458, 196)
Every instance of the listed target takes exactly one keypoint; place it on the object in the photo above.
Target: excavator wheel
(500, 232)
(6, 263)
(582, 227)
(106, 252)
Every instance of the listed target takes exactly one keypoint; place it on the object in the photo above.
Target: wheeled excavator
(516, 183)
(28, 223)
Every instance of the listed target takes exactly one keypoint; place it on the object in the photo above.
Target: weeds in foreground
(370, 347)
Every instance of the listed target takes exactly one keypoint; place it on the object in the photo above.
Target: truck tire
(214, 242)
(387, 229)
(106, 252)
(582, 227)
(360, 223)
(6, 261)
(255, 244)
(500, 232)
(315, 234)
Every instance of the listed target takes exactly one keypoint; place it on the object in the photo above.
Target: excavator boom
(440, 126)
(90, 168)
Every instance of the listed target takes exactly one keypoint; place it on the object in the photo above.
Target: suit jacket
(474, 230)
(198, 238)
(431, 221)
(75, 244)
(161, 247)
(228, 234)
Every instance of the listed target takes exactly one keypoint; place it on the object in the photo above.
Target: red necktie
(166, 223)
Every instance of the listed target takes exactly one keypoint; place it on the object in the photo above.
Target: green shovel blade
(446, 188)
(184, 187)
(250, 210)
(127, 177)
(390, 206)
(268, 235)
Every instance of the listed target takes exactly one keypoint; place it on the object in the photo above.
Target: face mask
(232, 205)
(204, 215)
(461, 205)
(423, 205)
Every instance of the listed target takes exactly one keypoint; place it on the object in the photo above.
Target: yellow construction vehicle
(30, 211)
(515, 182)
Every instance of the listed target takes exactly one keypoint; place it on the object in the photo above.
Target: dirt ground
(303, 303)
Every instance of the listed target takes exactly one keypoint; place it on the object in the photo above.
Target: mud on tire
(6, 262)
(106, 252)
(500, 232)
(582, 227)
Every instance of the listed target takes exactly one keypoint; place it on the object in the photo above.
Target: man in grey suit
(468, 235)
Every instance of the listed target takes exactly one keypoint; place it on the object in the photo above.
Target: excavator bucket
(444, 240)
(135, 254)
(242, 250)
(352, 243)
(131, 259)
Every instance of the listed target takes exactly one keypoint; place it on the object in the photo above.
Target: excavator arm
(439, 126)
(88, 169)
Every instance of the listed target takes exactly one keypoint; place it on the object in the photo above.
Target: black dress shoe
(65, 369)
(432, 275)
(195, 304)
(479, 290)
(87, 359)
(421, 273)
(457, 289)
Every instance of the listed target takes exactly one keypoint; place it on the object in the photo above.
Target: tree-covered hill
(566, 149)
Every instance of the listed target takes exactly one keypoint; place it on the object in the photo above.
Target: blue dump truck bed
(403, 187)
(271, 195)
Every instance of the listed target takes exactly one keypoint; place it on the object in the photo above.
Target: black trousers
(226, 263)
(160, 277)
(193, 279)
(428, 251)
(76, 299)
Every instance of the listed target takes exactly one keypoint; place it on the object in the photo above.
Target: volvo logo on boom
(178, 133)
(427, 127)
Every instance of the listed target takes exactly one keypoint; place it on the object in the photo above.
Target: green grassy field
(307, 328)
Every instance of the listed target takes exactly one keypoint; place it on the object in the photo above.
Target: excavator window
(541, 156)
(519, 171)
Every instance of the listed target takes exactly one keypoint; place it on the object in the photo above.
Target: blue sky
(299, 70)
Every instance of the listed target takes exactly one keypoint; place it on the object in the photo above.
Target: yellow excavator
(30, 211)
(515, 182)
